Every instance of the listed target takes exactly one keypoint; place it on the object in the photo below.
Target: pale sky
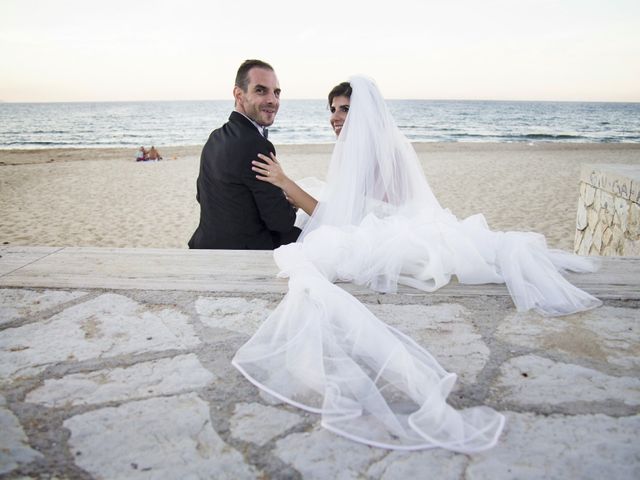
(86, 50)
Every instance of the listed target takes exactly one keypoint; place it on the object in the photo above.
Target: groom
(238, 211)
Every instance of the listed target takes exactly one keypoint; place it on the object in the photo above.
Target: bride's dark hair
(341, 90)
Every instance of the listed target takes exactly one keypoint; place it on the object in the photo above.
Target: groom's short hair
(242, 77)
(341, 90)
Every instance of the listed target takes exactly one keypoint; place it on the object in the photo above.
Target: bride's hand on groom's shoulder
(268, 169)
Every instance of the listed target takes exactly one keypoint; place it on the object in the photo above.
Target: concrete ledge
(234, 271)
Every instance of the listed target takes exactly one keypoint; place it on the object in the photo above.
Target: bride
(379, 224)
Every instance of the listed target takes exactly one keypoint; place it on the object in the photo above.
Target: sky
(115, 50)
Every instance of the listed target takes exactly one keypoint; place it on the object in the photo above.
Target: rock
(18, 303)
(106, 326)
(618, 240)
(589, 195)
(606, 202)
(631, 248)
(634, 191)
(633, 222)
(592, 219)
(597, 237)
(255, 423)
(577, 240)
(148, 379)
(587, 242)
(597, 200)
(622, 211)
(323, 455)
(581, 220)
(169, 437)
(604, 336)
(532, 380)
(605, 218)
(436, 464)
(581, 446)
(14, 445)
(607, 235)
(233, 313)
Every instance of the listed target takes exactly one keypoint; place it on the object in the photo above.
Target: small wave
(33, 143)
(550, 136)
(477, 136)
(621, 139)
(49, 132)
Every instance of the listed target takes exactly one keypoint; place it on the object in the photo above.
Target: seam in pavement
(32, 262)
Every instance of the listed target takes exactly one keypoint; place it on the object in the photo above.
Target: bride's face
(339, 109)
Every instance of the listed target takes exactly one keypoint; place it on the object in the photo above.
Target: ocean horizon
(179, 123)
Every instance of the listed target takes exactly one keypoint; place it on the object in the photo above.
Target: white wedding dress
(378, 225)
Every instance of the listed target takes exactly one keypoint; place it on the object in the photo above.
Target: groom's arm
(274, 209)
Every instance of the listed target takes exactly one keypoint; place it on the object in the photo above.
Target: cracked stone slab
(320, 454)
(532, 380)
(435, 463)
(607, 334)
(233, 313)
(103, 327)
(166, 376)
(14, 445)
(444, 331)
(581, 446)
(258, 424)
(17, 303)
(169, 437)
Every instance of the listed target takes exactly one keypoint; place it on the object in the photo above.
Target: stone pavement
(115, 363)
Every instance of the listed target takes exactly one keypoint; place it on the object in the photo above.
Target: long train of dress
(323, 351)
(379, 224)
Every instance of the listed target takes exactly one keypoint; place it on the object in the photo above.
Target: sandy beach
(102, 197)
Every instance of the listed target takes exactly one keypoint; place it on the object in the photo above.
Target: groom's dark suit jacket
(238, 211)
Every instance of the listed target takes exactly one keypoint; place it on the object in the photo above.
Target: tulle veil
(373, 167)
(379, 225)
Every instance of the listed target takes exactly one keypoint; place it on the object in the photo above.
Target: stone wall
(608, 220)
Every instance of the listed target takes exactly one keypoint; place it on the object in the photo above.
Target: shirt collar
(256, 124)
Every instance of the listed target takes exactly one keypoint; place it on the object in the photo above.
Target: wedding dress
(379, 225)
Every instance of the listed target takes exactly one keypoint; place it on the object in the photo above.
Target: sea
(163, 123)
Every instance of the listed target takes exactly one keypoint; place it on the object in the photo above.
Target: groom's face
(262, 99)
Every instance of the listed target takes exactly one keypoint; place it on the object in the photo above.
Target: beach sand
(102, 197)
